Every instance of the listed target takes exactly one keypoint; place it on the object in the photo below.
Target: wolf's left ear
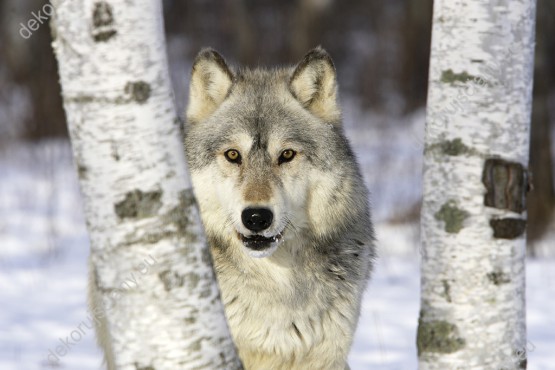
(211, 80)
(314, 85)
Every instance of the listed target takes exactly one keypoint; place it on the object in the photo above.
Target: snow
(44, 248)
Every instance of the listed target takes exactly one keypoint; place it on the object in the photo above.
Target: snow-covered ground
(44, 247)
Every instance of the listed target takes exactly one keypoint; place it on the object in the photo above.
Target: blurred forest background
(381, 50)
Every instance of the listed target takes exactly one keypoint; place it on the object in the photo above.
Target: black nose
(257, 219)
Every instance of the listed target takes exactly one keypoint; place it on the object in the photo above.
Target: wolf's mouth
(260, 242)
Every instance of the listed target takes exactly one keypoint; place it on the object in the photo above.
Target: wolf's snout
(257, 219)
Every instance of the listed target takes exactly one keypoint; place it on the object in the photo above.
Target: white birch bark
(479, 105)
(156, 301)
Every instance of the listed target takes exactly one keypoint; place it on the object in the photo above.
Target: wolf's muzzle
(257, 219)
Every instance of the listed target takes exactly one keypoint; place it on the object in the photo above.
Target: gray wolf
(284, 208)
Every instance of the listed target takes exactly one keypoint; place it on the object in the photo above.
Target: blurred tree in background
(541, 201)
(381, 50)
(30, 102)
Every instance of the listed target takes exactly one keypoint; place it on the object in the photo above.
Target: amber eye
(286, 156)
(233, 156)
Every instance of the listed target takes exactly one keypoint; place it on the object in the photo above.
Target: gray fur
(318, 274)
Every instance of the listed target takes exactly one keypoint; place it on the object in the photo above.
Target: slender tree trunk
(29, 70)
(475, 182)
(153, 291)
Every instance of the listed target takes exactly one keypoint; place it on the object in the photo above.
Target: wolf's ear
(211, 80)
(314, 85)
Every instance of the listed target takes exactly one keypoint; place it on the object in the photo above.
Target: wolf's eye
(233, 156)
(286, 156)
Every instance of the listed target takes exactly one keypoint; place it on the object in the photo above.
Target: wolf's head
(267, 155)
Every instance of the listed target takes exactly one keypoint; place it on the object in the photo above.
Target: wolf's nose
(257, 219)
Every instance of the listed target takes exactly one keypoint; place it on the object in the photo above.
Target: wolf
(284, 207)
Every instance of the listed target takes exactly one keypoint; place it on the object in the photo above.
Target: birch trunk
(475, 182)
(153, 291)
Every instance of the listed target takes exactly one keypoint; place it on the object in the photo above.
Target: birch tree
(153, 291)
(475, 183)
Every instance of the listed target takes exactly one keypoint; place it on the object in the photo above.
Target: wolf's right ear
(313, 83)
(211, 80)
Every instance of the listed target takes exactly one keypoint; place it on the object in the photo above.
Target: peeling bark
(153, 291)
(475, 185)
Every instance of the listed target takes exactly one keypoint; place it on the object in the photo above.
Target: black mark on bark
(446, 290)
(448, 76)
(507, 228)
(452, 215)
(172, 279)
(176, 222)
(453, 147)
(180, 215)
(438, 336)
(139, 91)
(138, 204)
(103, 22)
(82, 171)
(498, 277)
(506, 184)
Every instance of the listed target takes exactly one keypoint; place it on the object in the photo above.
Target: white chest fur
(283, 309)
